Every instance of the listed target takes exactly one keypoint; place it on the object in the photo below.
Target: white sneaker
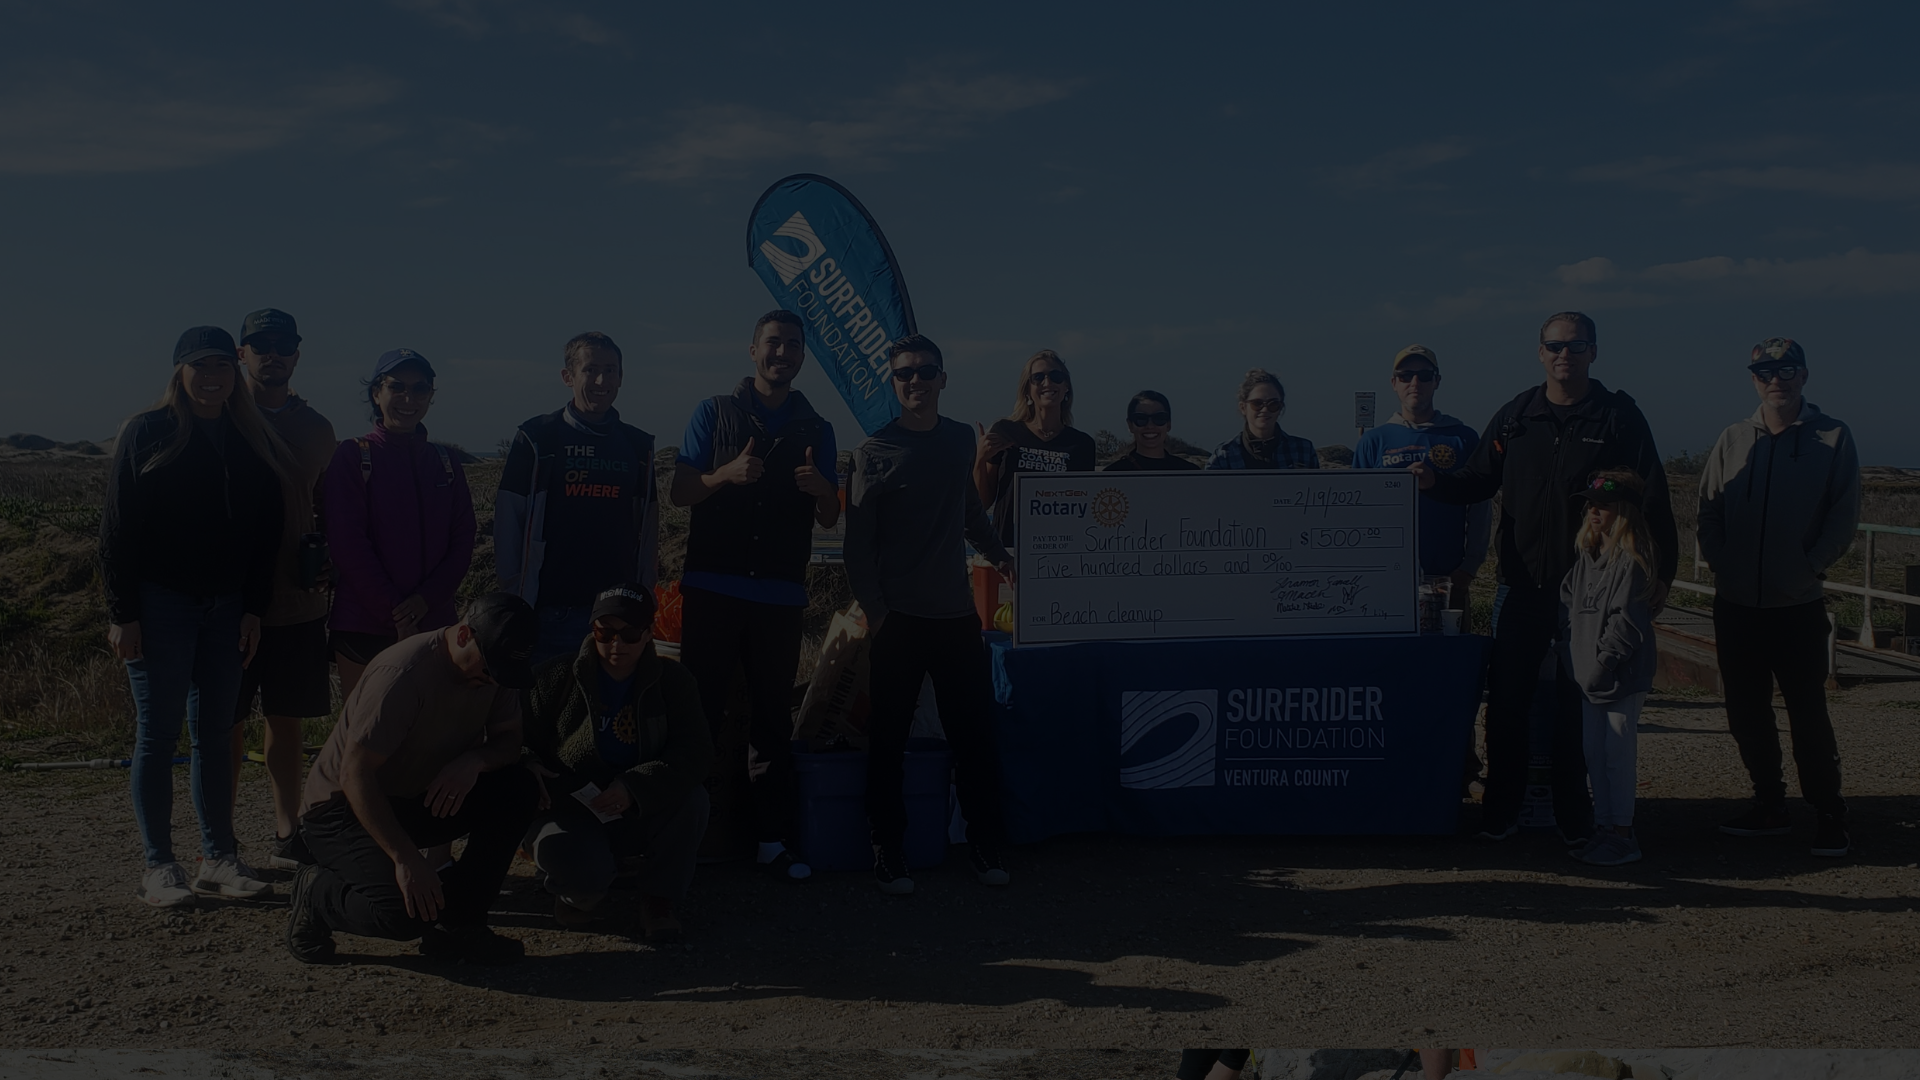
(228, 876)
(165, 886)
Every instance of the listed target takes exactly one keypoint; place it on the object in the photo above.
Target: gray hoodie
(1606, 628)
(1777, 510)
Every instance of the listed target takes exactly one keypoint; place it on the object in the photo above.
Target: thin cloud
(84, 125)
(478, 18)
(1766, 167)
(1395, 168)
(1856, 273)
(1599, 282)
(914, 117)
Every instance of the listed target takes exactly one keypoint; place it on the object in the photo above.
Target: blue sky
(1167, 195)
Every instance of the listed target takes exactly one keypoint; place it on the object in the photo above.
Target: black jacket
(561, 713)
(761, 530)
(1538, 466)
(206, 523)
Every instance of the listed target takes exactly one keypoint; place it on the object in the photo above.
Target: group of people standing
(243, 548)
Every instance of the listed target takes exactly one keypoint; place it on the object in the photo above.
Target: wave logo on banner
(1167, 738)
(823, 258)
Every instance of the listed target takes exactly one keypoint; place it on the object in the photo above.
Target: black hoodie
(1538, 463)
(206, 523)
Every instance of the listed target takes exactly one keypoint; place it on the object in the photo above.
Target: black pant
(354, 890)
(1759, 646)
(1528, 621)
(906, 650)
(718, 631)
(1196, 1064)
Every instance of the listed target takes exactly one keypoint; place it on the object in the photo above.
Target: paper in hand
(587, 794)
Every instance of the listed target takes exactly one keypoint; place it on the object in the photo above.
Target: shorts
(358, 648)
(288, 672)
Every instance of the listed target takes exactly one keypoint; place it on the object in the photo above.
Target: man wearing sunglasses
(577, 508)
(912, 507)
(1453, 537)
(756, 470)
(289, 672)
(1537, 452)
(1779, 503)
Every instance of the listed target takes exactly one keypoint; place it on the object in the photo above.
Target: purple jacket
(405, 527)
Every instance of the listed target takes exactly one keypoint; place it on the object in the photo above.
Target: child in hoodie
(1607, 637)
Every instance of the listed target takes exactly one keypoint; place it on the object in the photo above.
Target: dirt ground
(1100, 942)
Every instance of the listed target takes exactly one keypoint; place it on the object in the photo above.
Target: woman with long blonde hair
(189, 539)
(1606, 617)
(1038, 436)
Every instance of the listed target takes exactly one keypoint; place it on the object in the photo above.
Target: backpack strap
(446, 466)
(366, 460)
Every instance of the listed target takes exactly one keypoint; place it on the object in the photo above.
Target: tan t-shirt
(310, 437)
(417, 708)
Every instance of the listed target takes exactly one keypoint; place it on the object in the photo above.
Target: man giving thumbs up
(744, 590)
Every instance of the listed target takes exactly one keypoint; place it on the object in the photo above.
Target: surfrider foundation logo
(1442, 456)
(1167, 738)
(1110, 507)
(785, 263)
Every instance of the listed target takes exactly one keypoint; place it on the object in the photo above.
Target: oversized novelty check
(1141, 555)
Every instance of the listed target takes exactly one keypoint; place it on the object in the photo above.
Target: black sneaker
(289, 852)
(308, 938)
(987, 865)
(1760, 821)
(1830, 837)
(890, 870)
(476, 944)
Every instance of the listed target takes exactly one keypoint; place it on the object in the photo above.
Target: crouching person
(619, 738)
(426, 751)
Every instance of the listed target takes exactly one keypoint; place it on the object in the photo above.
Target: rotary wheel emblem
(1109, 507)
(1443, 456)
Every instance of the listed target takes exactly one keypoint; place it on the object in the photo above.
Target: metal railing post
(1867, 637)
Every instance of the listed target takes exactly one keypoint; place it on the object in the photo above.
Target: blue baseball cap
(394, 358)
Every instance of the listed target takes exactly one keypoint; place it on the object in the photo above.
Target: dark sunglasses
(1578, 346)
(1150, 419)
(1264, 405)
(415, 390)
(277, 346)
(925, 373)
(1416, 375)
(1053, 375)
(1783, 372)
(630, 634)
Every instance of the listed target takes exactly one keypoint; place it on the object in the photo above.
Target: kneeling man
(620, 739)
(426, 751)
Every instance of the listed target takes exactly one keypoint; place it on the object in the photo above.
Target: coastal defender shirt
(1453, 536)
(1070, 451)
(417, 708)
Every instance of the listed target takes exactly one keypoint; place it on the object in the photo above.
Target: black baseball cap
(204, 341)
(504, 627)
(269, 321)
(628, 600)
(1606, 490)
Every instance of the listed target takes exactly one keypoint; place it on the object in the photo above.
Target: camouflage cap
(1419, 352)
(1778, 350)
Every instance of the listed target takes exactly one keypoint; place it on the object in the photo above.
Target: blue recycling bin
(830, 822)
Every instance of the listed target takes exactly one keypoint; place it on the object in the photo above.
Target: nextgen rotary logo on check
(1167, 738)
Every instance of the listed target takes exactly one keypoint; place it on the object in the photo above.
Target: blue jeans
(189, 670)
(562, 628)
